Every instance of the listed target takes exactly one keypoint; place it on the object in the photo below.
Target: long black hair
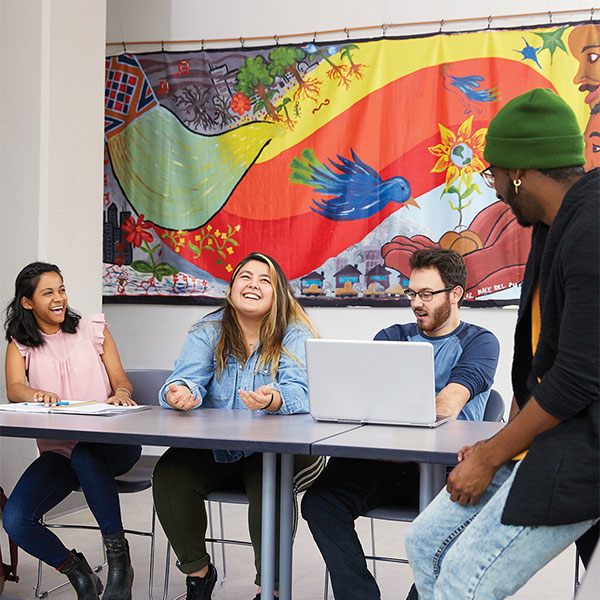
(20, 323)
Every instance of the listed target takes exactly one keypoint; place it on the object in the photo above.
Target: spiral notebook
(372, 382)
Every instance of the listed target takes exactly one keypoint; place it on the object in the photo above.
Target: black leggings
(183, 477)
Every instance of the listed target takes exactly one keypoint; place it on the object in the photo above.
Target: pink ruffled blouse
(70, 365)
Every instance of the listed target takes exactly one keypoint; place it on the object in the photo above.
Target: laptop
(372, 382)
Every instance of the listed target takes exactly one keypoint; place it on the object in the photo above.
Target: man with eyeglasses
(518, 499)
(466, 357)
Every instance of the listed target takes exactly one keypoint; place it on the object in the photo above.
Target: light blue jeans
(466, 552)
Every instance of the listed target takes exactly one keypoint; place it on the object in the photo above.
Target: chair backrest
(146, 383)
(494, 409)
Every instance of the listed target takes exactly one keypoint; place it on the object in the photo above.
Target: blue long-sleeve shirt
(468, 355)
(196, 368)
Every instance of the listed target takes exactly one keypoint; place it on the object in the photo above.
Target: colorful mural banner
(337, 159)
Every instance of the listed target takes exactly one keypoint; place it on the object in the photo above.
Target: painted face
(584, 43)
(48, 302)
(591, 137)
(521, 206)
(252, 290)
(433, 317)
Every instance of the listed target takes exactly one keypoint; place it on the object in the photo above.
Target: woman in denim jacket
(247, 355)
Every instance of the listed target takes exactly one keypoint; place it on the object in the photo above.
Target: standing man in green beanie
(518, 499)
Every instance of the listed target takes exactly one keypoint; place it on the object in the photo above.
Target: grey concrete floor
(554, 582)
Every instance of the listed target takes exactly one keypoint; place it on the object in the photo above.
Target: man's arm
(514, 409)
(471, 477)
(451, 399)
(472, 374)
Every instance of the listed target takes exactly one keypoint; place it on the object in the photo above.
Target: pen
(41, 404)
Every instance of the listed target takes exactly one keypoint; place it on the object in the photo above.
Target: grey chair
(494, 411)
(146, 383)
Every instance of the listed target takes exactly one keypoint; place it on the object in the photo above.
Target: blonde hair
(285, 310)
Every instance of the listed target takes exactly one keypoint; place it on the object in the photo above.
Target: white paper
(79, 407)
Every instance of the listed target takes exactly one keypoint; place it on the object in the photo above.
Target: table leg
(432, 480)
(267, 556)
(438, 478)
(286, 527)
(425, 485)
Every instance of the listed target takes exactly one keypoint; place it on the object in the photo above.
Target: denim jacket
(196, 369)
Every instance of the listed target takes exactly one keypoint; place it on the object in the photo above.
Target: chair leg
(211, 534)
(99, 568)
(152, 549)
(326, 587)
(38, 585)
(211, 527)
(576, 584)
(373, 553)
(167, 569)
(222, 526)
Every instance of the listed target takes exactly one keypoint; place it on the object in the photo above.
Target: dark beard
(510, 198)
(439, 316)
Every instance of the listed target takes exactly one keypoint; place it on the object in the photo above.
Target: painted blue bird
(468, 89)
(357, 191)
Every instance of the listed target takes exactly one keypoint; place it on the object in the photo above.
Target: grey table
(432, 448)
(204, 428)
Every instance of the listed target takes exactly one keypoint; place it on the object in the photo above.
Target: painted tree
(195, 101)
(222, 115)
(254, 79)
(355, 69)
(336, 72)
(285, 59)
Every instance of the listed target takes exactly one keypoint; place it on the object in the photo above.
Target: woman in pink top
(54, 354)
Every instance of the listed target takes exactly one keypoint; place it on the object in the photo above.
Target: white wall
(152, 335)
(143, 20)
(51, 156)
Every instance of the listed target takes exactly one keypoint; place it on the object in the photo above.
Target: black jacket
(558, 480)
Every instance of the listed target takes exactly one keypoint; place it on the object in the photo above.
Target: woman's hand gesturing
(263, 398)
(180, 397)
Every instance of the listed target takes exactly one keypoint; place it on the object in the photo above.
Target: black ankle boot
(120, 571)
(86, 583)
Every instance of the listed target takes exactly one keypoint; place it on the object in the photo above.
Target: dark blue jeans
(346, 489)
(50, 479)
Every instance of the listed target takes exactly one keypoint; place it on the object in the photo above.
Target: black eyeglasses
(426, 295)
(488, 177)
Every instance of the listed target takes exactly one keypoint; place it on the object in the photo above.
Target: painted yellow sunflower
(460, 154)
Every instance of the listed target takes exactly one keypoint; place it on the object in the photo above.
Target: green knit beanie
(536, 130)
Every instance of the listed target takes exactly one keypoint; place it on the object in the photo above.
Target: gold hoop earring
(517, 184)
